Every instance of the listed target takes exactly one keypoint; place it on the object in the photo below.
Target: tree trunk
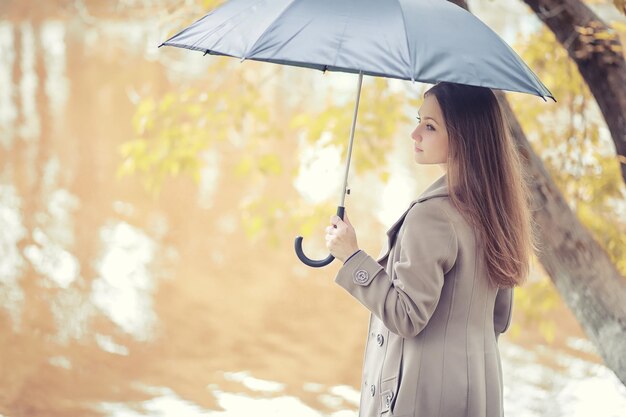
(600, 62)
(579, 268)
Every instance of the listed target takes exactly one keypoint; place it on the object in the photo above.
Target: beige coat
(431, 349)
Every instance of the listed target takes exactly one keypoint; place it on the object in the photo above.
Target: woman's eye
(430, 127)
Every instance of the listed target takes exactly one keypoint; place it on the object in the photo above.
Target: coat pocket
(388, 392)
(390, 384)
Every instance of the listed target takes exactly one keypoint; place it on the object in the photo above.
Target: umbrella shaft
(349, 155)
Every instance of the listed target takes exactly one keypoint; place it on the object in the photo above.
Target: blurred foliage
(246, 109)
(596, 39)
(574, 144)
(381, 113)
(535, 301)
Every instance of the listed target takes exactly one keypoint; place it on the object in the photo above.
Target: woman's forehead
(430, 108)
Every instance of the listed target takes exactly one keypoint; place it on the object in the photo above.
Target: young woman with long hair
(441, 291)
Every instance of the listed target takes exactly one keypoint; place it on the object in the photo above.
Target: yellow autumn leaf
(253, 226)
(619, 26)
(270, 164)
(604, 35)
(244, 167)
(167, 102)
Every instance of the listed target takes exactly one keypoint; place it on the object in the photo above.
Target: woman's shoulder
(434, 207)
(433, 215)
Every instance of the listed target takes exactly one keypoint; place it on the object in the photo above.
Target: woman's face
(430, 135)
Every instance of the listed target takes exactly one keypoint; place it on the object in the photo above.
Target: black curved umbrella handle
(311, 262)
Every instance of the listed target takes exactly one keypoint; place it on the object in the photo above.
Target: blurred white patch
(209, 176)
(400, 188)
(509, 19)
(254, 384)
(72, 311)
(123, 208)
(581, 398)
(124, 288)
(59, 225)
(243, 405)
(227, 224)
(158, 225)
(347, 393)
(8, 110)
(54, 55)
(313, 387)
(167, 404)
(11, 262)
(330, 401)
(30, 128)
(534, 389)
(321, 174)
(107, 344)
(60, 361)
(52, 261)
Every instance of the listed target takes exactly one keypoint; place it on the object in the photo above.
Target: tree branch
(600, 60)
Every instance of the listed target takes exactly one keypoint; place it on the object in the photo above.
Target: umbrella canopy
(418, 40)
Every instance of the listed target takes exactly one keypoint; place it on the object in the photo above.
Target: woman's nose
(415, 135)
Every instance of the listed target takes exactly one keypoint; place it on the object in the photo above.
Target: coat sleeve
(502, 310)
(428, 250)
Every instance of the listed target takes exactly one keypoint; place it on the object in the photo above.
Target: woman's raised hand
(341, 238)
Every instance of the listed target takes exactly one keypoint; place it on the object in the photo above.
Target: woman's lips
(418, 149)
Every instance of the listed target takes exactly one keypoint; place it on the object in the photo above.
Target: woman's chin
(419, 159)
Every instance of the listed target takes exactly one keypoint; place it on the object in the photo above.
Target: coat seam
(469, 312)
(485, 335)
(367, 342)
(445, 336)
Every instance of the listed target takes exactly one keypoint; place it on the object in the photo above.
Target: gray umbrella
(418, 40)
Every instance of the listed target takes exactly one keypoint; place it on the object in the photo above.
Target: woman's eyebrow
(426, 117)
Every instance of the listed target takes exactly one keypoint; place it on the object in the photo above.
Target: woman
(441, 293)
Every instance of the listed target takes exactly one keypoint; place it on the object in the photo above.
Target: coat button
(373, 390)
(361, 277)
(380, 339)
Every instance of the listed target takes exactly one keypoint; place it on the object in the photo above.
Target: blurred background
(149, 199)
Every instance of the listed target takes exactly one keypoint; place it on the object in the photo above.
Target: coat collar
(438, 188)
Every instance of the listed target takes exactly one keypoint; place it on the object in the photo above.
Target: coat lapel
(437, 189)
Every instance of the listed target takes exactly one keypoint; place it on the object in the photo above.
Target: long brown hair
(486, 179)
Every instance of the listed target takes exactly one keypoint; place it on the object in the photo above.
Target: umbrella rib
(269, 26)
(406, 35)
(341, 40)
